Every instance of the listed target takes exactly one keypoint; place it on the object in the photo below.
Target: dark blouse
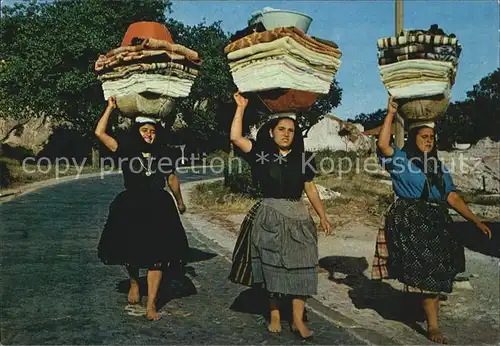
(281, 176)
(145, 173)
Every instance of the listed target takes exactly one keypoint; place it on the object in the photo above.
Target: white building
(332, 133)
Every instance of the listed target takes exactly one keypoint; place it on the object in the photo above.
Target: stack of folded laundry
(148, 71)
(419, 68)
(283, 66)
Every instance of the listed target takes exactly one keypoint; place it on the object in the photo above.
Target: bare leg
(431, 308)
(298, 317)
(275, 323)
(134, 296)
(154, 279)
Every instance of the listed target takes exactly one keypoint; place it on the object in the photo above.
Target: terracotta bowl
(287, 100)
(146, 30)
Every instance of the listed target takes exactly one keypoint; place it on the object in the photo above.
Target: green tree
(323, 105)
(48, 52)
(207, 109)
(485, 113)
(456, 125)
(474, 118)
(370, 120)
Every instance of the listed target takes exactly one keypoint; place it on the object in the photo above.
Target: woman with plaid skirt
(278, 244)
(421, 251)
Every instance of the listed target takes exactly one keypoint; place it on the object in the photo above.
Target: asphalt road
(54, 290)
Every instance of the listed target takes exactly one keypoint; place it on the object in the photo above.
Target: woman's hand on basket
(112, 102)
(240, 100)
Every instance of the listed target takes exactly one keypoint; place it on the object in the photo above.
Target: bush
(16, 153)
(219, 154)
(67, 143)
(238, 177)
(334, 162)
(5, 178)
(217, 196)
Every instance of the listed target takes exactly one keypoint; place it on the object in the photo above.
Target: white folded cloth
(154, 83)
(416, 65)
(286, 60)
(421, 89)
(418, 78)
(292, 47)
(281, 73)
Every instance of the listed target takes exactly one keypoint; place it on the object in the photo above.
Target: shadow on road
(175, 283)
(252, 301)
(197, 255)
(472, 238)
(255, 301)
(388, 302)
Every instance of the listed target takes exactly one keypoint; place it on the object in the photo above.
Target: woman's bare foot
(275, 324)
(134, 296)
(436, 336)
(151, 313)
(302, 330)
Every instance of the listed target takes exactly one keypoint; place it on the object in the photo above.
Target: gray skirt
(284, 248)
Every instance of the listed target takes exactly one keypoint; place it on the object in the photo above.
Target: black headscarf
(428, 163)
(268, 144)
(137, 142)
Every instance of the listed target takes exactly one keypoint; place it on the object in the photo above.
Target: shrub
(238, 177)
(219, 154)
(334, 162)
(5, 178)
(16, 153)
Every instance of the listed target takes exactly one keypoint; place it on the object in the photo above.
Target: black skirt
(423, 253)
(143, 229)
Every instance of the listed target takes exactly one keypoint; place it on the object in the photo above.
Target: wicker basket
(428, 108)
(145, 104)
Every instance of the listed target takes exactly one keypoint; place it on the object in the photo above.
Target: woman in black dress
(282, 242)
(143, 229)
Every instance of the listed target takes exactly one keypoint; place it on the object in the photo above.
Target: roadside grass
(15, 174)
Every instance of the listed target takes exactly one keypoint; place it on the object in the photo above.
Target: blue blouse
(408, 180)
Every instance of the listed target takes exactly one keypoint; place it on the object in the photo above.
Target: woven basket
(428, 108)
(145, 104)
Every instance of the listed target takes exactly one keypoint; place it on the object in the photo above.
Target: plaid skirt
(417, 248)
(241, 269)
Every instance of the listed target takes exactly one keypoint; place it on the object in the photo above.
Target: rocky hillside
(477, 168)
(31, 133)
